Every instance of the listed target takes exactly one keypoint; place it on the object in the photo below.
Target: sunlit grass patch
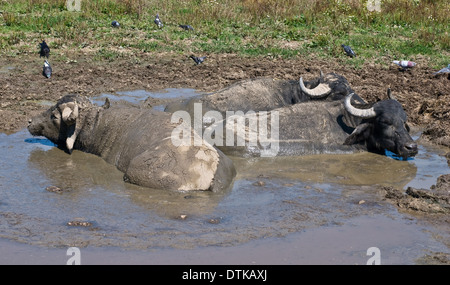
(285, 28)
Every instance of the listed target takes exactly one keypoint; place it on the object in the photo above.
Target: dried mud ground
(426, 98)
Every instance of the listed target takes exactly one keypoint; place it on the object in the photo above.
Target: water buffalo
(137, 141)
(264, 94)
(326, 127)
(298, 119)
(383, 127)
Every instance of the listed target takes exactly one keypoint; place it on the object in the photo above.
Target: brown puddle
(322, 209)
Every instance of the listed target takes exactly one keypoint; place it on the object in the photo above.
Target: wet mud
(54, 200)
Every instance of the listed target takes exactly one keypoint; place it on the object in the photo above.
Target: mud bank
(23, 88)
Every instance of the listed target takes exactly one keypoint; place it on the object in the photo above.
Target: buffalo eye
(385, 121)
(55, 117)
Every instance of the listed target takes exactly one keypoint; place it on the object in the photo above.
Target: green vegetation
(404, 29)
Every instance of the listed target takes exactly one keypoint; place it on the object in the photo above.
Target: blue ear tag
(394, 156)
(40, 141)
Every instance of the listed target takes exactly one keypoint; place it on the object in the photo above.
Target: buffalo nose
(411, 146)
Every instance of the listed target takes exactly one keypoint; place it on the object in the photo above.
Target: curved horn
(322, 90)
(69, 113)
(66, 113)
(362, 113)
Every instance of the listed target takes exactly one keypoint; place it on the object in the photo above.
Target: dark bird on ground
(186, 27)
(158, 21)
(115, 24)
(198, 60)
(404, 64)
(443, 70)
(45, 50)
(47, 70)
(348, 50)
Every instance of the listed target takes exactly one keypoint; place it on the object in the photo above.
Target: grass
(404, 29)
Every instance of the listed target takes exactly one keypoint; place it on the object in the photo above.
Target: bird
(443, 70)
(198, 60)
(348, 50)
(186, 27)
(47, 70)
(45, 50)
(115, 24)
(404, 64)
(158, 21)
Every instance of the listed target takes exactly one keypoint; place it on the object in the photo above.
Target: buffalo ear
(361, 133)
(69, 115)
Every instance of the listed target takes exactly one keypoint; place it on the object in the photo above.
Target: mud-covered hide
(306, 125)
(137, 141)
(264, 94)
(309, 116)
(315, 127)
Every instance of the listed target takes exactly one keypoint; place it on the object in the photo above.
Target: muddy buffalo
(383, 127)
(264, 94)
(137, 141)
(297, 118)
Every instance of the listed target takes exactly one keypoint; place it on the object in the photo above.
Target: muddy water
(292, 210)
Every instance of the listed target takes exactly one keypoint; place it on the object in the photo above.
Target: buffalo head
(383, 127)
(59, 123)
